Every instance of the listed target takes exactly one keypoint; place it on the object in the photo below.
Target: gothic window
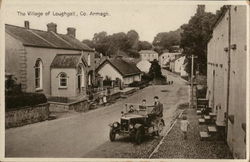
(38, 74)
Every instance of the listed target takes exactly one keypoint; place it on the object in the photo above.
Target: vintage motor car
(136, 124)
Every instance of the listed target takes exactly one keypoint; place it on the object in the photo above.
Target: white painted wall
(110, 71)
(70, 91)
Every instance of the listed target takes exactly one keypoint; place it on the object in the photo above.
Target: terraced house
(226, 76)
(49, 62)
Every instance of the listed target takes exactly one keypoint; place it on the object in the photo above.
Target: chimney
(51, 27)
(27, 24)
(71, 32)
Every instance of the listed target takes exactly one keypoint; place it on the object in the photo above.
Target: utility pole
(192, 84)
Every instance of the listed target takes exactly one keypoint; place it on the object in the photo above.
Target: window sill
(63, 88)
(39, 89)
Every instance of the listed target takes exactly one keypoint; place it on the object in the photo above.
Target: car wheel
(138, 136)
(112, 135)
(160, 128)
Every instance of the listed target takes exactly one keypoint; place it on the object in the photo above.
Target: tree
(144, 45)
(133, 39)
(155, 70)
(195, 36)
(89, 43)
(101, 42)
(165, 40)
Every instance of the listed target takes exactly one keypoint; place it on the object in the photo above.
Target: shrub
(24, 99)
(138, 83)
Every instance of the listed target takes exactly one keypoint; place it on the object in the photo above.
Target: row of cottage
(59, 64)
(172, 61)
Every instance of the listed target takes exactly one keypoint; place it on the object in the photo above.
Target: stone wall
(26, 115)
(81, 105)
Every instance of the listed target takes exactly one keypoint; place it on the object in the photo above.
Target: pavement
(86, 134)
(174, 145)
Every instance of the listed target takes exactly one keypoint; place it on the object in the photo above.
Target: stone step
(207, 117)
(212, 129)
(201, 121)
(204, 136)
(212, 114)
(198, 112)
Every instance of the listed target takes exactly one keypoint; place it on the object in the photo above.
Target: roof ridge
(26, 28)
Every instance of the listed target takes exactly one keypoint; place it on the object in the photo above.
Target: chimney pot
(27, 24)
(71, 32)
(51, 27)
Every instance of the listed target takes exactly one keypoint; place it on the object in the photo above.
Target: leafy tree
(195, 36)
(155, 70)
(133, 39)
(101, 42)
(165, 40)
(89, 43)
(144, 45)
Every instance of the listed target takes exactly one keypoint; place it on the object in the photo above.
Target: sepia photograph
(125, 80)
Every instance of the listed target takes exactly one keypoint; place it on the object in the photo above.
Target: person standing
(158, 108)
(184, 126)
(157, 112)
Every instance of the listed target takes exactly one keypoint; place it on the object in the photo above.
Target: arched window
(63, 80)
(38, 74)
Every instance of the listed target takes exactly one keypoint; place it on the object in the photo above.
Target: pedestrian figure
(143, 106)
(157, 112)
(104, 100)
(184, 126)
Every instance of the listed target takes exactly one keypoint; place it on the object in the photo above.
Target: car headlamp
(131, 126)
(115, 125)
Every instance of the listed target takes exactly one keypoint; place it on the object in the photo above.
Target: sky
(147, 18)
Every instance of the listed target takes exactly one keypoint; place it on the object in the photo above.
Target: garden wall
(26, 115)
(81, 105)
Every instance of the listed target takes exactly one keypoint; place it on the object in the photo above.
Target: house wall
(237, 97)
(108, 70)
(178, 64)
(15, 56)
(131, 79)
(20, 61)
(217, 77)
(149, 56)
(71, 90)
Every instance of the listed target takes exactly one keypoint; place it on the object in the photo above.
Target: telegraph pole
(192, 84)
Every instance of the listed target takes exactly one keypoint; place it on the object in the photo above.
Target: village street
(86, 134)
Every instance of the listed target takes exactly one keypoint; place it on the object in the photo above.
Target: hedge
(22, 100)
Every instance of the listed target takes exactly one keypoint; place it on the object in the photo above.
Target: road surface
(86, 134)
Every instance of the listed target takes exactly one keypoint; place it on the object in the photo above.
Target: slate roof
(45, 39)
(66, 61)
(123, 67)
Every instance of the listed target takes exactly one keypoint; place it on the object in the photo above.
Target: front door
(79, 83)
